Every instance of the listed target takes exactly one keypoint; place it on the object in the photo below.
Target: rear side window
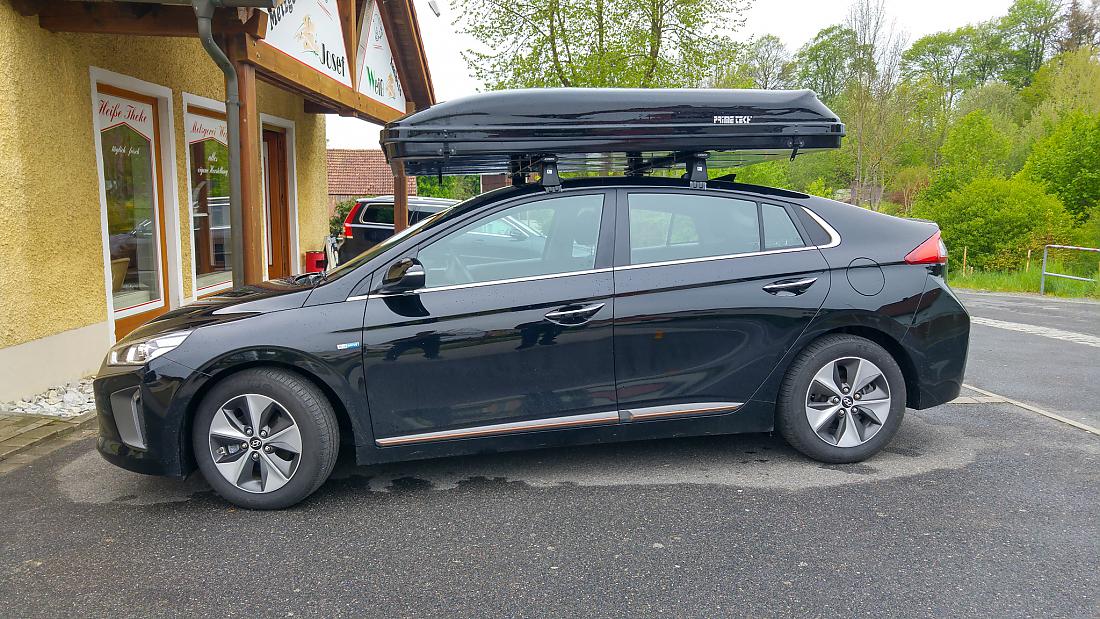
(670, 226)
(779, 230)
(378, 213)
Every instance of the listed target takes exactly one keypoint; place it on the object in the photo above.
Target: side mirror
(516, 234)
(404, 275)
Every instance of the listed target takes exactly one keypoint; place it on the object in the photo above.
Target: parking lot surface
(983, 509)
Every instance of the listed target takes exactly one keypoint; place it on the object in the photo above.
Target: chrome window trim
(646, 413)
(747, 254)
(513, 280)
(834, 236)
(834, 240)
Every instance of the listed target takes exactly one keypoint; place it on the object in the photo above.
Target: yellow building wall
(51, 245)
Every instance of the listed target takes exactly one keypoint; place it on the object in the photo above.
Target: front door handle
(572, 315)
(790, 286)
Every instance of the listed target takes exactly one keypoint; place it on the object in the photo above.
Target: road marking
(1058, 334)
(1035, 409)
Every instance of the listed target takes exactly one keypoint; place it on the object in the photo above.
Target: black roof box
(607, 129)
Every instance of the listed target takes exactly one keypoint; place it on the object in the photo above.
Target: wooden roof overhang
(242, 32)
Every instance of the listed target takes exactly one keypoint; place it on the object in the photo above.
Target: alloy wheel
(848, 401)
(255, 443)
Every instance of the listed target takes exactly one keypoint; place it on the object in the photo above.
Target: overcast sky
(794, 21)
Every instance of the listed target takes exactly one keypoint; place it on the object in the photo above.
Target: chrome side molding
(607, 417)
(676, 410)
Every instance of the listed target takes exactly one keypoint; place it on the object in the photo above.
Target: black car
(586, 311)
(370, 221)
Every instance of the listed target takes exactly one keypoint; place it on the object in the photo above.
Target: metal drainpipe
(204, 12)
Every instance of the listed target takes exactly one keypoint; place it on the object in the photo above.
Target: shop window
(127, 147)
(208, 174)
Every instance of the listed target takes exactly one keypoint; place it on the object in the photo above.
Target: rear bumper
(140, 418)
(938, 342)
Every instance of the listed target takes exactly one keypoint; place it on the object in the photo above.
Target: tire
(293, 414)
(851, 429)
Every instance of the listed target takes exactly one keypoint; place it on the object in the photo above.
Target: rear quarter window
(377, 213)
(779, 231)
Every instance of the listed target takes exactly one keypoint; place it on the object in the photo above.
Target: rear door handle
(790, 286)
(572, 315)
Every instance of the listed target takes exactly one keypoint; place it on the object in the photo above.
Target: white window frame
(206, 103)
(173, 297)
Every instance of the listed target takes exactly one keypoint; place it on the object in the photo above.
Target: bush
(998, 221)
(1067, 162)
(336, 222)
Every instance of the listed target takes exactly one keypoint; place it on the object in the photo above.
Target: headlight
(140, 352)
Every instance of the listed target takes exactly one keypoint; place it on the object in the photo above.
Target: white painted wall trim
(292, 189)
(169, 185)
(37, 365)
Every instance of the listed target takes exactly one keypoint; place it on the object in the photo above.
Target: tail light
(932, 251)
(350, 218)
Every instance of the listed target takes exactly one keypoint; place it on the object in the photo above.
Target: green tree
(647, 44)
(1067, 163)
(998, 220)
(453, 187)
(824, 65)
(1031, 31)
(941, 58)
(974, 148)
(769, 62)
(1080, 26)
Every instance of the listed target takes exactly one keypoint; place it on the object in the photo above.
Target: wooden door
(276, 202)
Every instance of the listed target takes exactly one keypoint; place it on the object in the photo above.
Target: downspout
(204, 13)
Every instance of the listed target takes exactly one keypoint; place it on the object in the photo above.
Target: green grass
(1027, 281)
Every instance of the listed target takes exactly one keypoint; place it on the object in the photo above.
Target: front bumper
(141, 417)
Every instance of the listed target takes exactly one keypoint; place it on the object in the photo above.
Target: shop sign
(309, 31)
(374, 59)
(113, 111)
(201, 128)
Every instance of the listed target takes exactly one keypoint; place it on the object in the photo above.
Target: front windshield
(351, 265)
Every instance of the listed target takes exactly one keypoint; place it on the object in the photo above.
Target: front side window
(550, 236)
(671, 226)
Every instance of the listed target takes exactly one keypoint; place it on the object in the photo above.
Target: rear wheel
(843, 399)
(265, 438)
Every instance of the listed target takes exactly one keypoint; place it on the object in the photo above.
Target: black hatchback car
(623, 309)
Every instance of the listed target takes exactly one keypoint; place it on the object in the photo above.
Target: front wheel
(265, 438)
(842, 400)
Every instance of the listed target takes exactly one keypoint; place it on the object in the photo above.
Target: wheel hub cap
(831, 409)
(248, 462)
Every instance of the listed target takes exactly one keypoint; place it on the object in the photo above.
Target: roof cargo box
(609, 129)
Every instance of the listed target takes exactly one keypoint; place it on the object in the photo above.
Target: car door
(515, 344)
(707, 299)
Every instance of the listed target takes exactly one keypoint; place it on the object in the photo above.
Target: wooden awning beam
(328, 94)
(142, 19)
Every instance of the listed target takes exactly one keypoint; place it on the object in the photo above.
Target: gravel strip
(64, 401)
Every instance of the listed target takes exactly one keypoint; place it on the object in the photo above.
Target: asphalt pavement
(1044, 351)
(982, 509)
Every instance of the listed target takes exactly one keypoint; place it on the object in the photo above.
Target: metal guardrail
(1043, 277)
